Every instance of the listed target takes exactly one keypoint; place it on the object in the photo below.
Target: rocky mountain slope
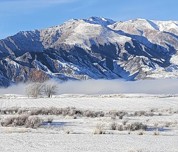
(94, 48)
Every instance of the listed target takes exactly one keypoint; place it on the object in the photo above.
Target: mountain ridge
(94, 48)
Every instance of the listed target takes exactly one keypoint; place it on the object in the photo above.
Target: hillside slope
(94, 48)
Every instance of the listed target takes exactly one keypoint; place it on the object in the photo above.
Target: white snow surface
(81, 137)
(26, 142)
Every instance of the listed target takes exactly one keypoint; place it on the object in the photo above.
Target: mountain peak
(100, 20)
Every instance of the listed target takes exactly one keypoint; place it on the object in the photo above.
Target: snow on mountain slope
(157, 32)
(83, 33)
(167, 26)
(102, 21)
(92, 48)
(137, 26)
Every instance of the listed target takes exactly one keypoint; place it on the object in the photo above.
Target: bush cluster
(130, 126)
(22, 120)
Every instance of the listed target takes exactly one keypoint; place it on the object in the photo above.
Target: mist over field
(163, 86)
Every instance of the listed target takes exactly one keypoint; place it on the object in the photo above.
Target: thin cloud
(39, 1)
(22, 5)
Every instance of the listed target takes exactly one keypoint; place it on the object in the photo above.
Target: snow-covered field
(86, 143)
(129, 102)
(79, 133)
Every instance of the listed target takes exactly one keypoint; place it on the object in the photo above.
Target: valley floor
(79, 133)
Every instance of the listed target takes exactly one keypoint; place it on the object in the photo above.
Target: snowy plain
(77, 134)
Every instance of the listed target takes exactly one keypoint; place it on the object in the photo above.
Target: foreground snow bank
(89, 143)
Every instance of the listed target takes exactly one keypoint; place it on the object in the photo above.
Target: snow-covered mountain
(94, 48)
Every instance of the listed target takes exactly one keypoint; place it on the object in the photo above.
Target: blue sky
(20, 15)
